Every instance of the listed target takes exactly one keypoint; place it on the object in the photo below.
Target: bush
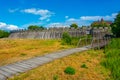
(84, 66)
(55, 77)
(74, 25)
(4, 34)
(35, 27)
(66, 39)
(75, 41)
(70, 70)
(116, 26)
(23, 54)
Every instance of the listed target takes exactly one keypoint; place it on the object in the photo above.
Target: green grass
(55, 77)
(70, 70)
(76, 41)
(84, 66)
(112, 59)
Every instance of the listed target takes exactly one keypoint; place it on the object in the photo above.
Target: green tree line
(4, 34)
(116, 26)
(35, 27)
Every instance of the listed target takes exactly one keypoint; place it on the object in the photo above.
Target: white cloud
(90, 17)
(71, 19)
(66, 17)
(77, 21)
(48, 20)
(13, 10)
(43, 13)
(25, 26)
(12, 27)
(2, 25)
(57, 24)
(114, 15)
(44, 17)
(87, 20)
(54, 24)
(94, 18)
(68, 22)
(5, 26)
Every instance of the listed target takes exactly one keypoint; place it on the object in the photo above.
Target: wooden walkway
(99, 45)
(25, 65)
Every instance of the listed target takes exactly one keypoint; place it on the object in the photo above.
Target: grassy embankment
(112, 59)
(55, 70)
(19, 49)
(91, 59)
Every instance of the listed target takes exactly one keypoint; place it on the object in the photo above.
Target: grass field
(55, 69)
(112, 59)
(19, 49)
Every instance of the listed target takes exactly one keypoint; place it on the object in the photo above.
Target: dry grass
(19, 49)
(56, 68)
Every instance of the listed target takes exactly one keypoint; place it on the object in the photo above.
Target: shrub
(35, 27)
(23, 54)
(70, 70)
(55, 77)
(84, 66)
(75, 40)
(66, 39)
(4, 34)
(74, 25)
(116, 26)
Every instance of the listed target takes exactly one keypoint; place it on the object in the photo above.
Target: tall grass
(13, 50)
(56, 70)
(112, 58)
(75, 41)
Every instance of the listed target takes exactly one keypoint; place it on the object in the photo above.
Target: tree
(74, 25)
(4, 34)
(66, 38)
(41, 27)
(101, 23)
(35, 27)
(116, 26)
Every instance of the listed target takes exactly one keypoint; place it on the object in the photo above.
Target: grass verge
(112, 59)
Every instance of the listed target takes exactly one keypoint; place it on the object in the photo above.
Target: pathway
(25, 65)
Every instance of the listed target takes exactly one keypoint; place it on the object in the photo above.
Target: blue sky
(19, 14)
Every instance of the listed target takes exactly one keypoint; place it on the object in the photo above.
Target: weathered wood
(56, 33)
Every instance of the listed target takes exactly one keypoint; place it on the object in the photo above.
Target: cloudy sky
(19, 14)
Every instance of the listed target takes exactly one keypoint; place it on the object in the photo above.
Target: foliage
(55, 77)
(84, 66)
(100, 24)
(66, 38)
(116, 26)
(70, 70)
(4, 34)
(112, 58)
(22, 54)
(35, 27)
(75, 41)
(81, 41)
(74, 25)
